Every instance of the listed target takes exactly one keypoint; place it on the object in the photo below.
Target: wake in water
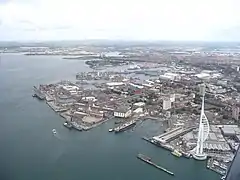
(56, 134)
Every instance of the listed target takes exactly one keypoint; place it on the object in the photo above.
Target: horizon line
(116, 40)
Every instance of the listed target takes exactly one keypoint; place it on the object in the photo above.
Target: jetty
(149, 161)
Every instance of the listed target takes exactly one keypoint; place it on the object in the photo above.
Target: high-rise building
(166, 104)
(235, 112)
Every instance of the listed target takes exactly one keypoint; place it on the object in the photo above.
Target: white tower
(202, 135)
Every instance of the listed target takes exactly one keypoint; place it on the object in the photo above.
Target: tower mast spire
(203, 130)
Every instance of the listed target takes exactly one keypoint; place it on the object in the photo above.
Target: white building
(166, 104)
(139, 104)
(169, 76)
(70, 88)
(115, 83)
(203, 76)
(89, 98)
(172, 97)
(122, 112)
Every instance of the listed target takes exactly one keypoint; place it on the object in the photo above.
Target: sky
(178, 20)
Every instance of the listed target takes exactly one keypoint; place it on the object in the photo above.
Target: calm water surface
(29, 151)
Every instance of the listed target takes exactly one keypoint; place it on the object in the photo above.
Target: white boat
(54, 131)
(110, 130)
(223, 177)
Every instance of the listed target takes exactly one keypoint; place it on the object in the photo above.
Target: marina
(149, 161)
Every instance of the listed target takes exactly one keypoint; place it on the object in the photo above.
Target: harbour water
(29, 150)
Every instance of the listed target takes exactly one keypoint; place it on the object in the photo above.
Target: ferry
(176, 153)
(54, 131)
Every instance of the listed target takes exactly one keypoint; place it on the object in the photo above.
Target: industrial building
(230, 130)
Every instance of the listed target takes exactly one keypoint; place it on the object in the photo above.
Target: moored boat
(176, 153)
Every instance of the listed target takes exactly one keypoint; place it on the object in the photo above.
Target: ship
(38, 93)
(176, 153)
(54, 131)
(149, 161)
(125, 126)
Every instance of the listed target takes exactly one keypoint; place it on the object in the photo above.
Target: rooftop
(123, 109)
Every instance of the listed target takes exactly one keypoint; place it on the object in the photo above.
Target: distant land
(120, 43)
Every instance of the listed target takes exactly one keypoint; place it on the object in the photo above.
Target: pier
(149, 161)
